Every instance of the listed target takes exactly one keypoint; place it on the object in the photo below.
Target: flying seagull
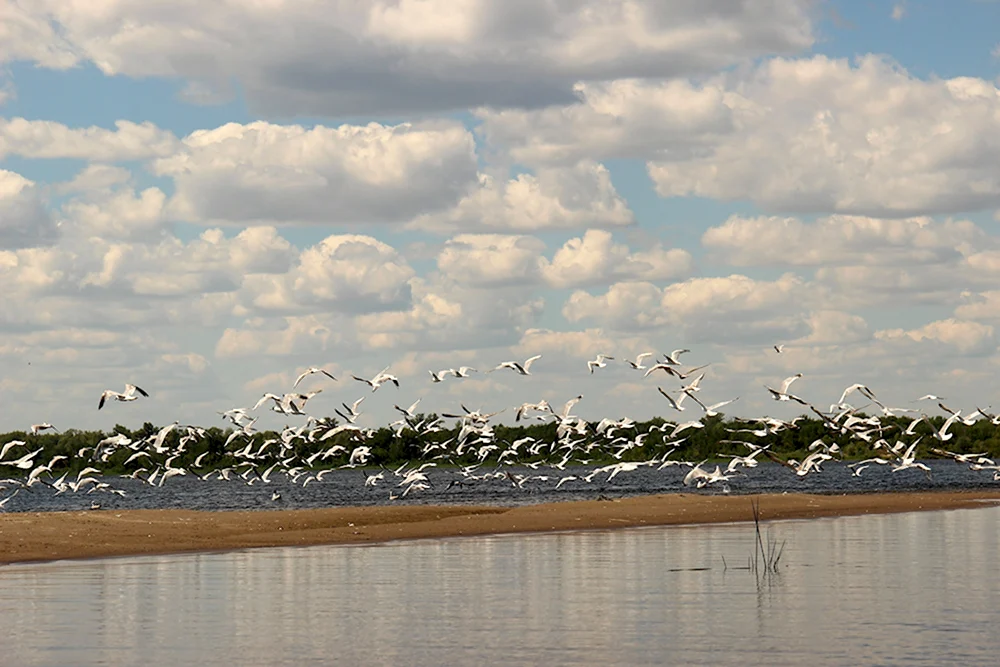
(128, 395)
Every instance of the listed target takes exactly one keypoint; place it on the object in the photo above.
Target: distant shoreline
(48, 536)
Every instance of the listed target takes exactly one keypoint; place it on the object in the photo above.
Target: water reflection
(890, 589)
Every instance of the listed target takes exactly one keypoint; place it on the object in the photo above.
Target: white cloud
(26, 33)
(492, 260)
(345, 273)
(451, 316)
(24, 220)
(796, 135)
(869, 139)
(392, 56)
(287, 174)
(967, 337)
(981, 306)
(627, 118)
(832, 327)
(48, 139)
(552, 198)
(841, 239)
(95, 177)
(595, 259)
(706, 309)
(303, 335)
(119, 213)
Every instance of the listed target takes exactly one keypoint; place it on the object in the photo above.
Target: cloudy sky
(206, 198)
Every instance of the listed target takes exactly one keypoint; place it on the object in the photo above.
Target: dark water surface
(347, 487)
(899, 589)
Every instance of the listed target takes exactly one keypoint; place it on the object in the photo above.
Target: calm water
(347, 487)
(895, 589)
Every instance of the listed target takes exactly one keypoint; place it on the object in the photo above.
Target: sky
(206, 199)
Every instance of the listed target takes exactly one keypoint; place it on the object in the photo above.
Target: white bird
(672, 357)
(782, 394)
(38, 428)
(779, 348)
(637, 364)
(463, 371)
(409, 411)
(710, 410)
(381, 378)
(598, 363)
(128, 395)
(521, 369)
(675, 404)
(310, 371)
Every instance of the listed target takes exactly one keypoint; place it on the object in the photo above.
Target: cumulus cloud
(869, 139)
(450, 315)
(393, 56)
(349, 273)
(627, 118)
(492, 260)
(117, 213)
(551, 198)
(841, 239)
(27, 33)
(24, 219)
(287, 174)
(967, 337)
(95, 177)
(798, 135)
(48, 139)
(596, 259)
(710, 309)
(306, 334)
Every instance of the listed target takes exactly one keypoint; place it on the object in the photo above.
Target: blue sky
(722, 193)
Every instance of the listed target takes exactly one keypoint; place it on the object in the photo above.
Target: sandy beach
(41, 536)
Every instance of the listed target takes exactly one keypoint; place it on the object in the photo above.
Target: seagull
(127, 395)
(408, 412)
(675, 404)
(463, 371)
(779, 348)
(310, 371)
(439, 376)
(521, 369)
(637, 364)
(782, 394)
(672, 357)
(710, 410)
(379, 380)
(38, 428)
(598, 363)
(352, 411)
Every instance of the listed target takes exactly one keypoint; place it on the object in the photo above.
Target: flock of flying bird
(307, 452)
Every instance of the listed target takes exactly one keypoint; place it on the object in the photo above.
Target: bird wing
(529, 361)
(569, 405)
(788, 382)
(263, 399)
(669, 398)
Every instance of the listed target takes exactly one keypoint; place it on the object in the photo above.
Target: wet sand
(41, 536)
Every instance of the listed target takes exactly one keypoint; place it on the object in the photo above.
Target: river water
(917, 588)
(347, 487)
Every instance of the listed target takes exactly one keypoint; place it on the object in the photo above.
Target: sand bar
(41, 536)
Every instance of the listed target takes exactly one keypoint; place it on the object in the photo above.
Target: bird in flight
(128, 395)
